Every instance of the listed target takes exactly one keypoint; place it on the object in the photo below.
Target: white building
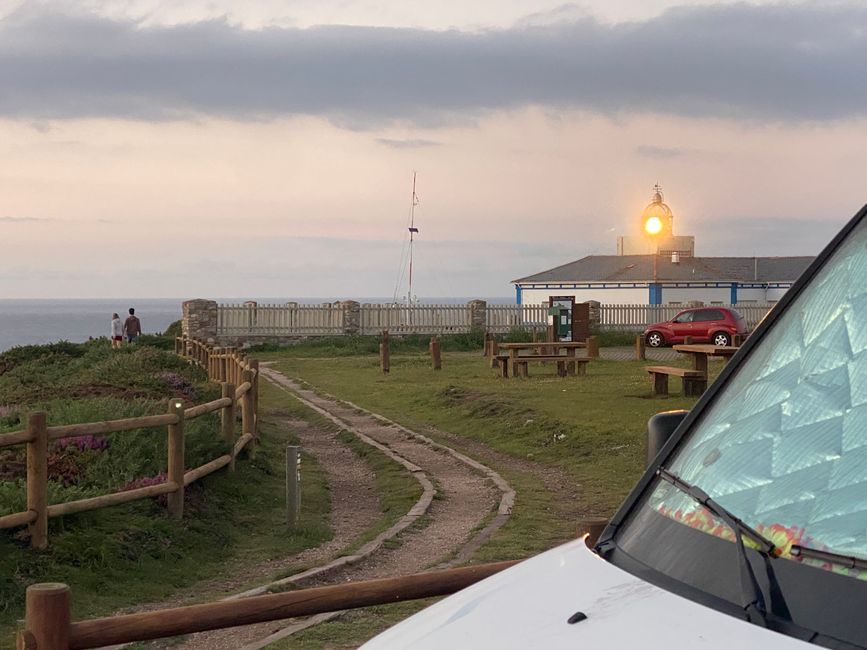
(670, 276)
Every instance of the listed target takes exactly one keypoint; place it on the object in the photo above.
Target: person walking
(116, 331)
(132, 326)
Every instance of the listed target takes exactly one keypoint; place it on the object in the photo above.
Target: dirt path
(466, 499)
(355, 508)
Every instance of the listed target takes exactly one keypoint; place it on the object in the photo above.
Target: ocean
(26, 322)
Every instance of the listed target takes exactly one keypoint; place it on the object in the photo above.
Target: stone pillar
(199, 320)
(252, 314)
(478, 314)
(594, 313)
(351, 317)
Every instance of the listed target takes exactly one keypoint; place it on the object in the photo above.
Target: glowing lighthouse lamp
(653, 225)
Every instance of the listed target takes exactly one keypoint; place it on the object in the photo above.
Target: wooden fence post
(227, 419)
(254, 365)
(592, 347)
(384, 353)
(47, 617)
(436, 353)
(247, 415)
(176, 459)
(640, 349)
(37, 479)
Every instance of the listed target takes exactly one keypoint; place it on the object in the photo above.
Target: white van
(749, 528)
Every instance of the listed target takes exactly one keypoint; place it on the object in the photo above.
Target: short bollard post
(293, 485)
(384, 354)
(592, 347)
(640, 350)
(47, 617)
(436, 353)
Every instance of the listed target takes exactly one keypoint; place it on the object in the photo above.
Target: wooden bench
(694, 381)
(565, 365)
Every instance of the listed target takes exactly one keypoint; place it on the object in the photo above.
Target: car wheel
(655, 340)
(721, 339)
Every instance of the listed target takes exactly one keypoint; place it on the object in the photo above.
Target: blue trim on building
(734, 297)
(655, 293)
(518, 291)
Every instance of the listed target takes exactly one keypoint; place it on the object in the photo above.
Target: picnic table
(701, 351)
(543, 351)
(569, 347)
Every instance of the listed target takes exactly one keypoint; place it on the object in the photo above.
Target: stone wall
(199, 320)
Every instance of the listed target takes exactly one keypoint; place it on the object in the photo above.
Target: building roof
(639, 268)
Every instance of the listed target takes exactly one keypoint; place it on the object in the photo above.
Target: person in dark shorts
(132, 326)
(116, 331)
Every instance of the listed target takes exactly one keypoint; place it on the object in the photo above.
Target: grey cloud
(773, 62)
(407, 144)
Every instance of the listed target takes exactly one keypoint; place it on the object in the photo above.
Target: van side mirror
(659, 430)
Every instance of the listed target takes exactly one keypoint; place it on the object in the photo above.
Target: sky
(156, 148)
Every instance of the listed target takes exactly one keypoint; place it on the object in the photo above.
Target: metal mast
(412, 231)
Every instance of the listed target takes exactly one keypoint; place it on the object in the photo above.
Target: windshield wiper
(828, 556)
(754, 601)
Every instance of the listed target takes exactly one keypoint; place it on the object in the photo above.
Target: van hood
(527, 606)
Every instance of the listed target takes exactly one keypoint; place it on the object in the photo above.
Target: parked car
(748, 528)
(717, 325)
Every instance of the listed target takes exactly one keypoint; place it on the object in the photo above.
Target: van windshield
(784, 444)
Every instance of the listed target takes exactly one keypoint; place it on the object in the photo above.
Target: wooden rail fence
(239, 377)
(48, 621)
(48, 624)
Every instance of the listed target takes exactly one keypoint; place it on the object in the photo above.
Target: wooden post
(176, 460)
(247, 416)
(488, 339)
(227, 419)
(495, 350)
(254, 365)
(640, 349)
(592, 347)
(37, 479)
(384, 353)
(47, 617)
(293, 485)
(436, 353)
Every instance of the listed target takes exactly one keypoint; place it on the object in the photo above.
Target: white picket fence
(415, 319)
(634, 318)
(330, 319)
(279, 320)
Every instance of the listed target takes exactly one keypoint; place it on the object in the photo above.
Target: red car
(716, 325)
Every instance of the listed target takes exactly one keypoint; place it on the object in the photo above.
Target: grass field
(589, 430)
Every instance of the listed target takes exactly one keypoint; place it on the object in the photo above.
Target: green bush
(173, 331)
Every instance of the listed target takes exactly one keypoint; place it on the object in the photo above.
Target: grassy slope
(133, 553)
(590, 428)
